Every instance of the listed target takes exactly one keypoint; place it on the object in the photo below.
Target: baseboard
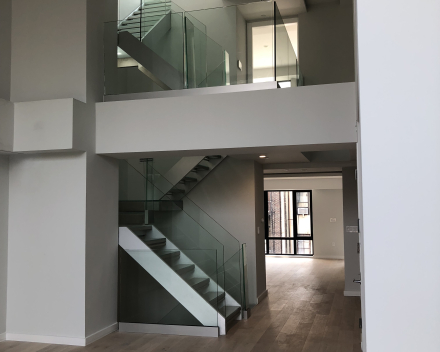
(61, 340)
(101, 333)
(332, 257)
(262, 296)
(56, 340)
(205, 331)
(2, 337)
(352, 293)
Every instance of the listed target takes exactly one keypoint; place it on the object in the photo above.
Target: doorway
(289, 223)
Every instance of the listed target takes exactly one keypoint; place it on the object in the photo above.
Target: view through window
(289, 222)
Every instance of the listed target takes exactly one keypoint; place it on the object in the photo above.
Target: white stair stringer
(229, 300)
(169, 279)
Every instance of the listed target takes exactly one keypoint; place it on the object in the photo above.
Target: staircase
(161, 48)
(186, 280)
(142, 20)
(179, 245)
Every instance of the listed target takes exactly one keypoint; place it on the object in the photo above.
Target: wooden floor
(305, 311)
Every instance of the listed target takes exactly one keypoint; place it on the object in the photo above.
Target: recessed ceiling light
(263, 156)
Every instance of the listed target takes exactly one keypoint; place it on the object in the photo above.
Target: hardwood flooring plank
(305, 311)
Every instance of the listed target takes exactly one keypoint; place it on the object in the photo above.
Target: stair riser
(131, 219)
(200, 286)
(185, 271)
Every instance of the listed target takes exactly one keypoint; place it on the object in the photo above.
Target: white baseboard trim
(101, 333)
(61, 340)
(333, 257)
(352, 293)
(57, 340)
(262, 296)
(3, 337)
(204, 331)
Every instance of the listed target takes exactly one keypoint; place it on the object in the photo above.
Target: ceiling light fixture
(263, 156)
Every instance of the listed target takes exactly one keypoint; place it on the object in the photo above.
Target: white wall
(328, 236)
(4, 199)
(126, 7)
(62, 272)
(6, 125)
(326, 44)
(229, 196)
(299, 183)
(399, 117)
(317, 115)
(46, 262)
(326, 204)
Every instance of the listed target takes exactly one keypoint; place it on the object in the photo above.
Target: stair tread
(183, 268)
(189, 179)
(154, 241)
(212, 157)
(211, 296)
(198, 282)
(201, 167)
(175, 191)
(166, 253)
(132, 212)
(231, 311)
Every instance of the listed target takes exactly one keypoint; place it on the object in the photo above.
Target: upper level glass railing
(286, 66)
(159, 47)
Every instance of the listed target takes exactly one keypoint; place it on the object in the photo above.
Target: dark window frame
(295, 225)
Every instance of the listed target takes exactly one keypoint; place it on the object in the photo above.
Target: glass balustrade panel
(146, 298)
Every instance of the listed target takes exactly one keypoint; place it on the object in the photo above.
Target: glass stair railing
(185, 238)
(144, 18)
(161, 47)
(183, 177)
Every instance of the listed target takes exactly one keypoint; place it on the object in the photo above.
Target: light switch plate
(332, 219)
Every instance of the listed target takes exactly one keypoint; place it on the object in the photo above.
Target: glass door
(289, 226)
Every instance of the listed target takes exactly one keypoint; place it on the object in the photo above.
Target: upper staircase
(161, 47)
(142, 20)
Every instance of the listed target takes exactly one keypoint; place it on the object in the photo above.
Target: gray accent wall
(5, 48)
(260, 249)
(49, 50)
(326, 43)
(232, 196)
(351, 239)
(4, 200)
(241, 49)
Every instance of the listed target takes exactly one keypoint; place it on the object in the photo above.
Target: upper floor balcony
(158, 47)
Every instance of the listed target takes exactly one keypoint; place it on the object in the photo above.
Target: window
(289, 222)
